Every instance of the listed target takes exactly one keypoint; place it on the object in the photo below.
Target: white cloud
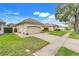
(16, 13)
(36, 13)
(41, 14)
(11, 12)
(52, 20)
(48, 21)
(51, 17)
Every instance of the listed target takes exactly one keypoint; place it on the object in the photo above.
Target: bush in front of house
(8, 30)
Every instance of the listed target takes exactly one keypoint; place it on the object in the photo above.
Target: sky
(16, 12)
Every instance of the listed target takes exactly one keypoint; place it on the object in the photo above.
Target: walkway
(72, 44)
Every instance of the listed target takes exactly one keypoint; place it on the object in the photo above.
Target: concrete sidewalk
(72, 44)
(48, 50)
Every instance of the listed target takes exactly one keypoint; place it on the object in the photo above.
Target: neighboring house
(2, 25)
(29, 26)
(63, 27)
(51, 27)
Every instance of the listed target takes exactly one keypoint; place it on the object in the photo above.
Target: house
(63, 27)
(2, 25)
(29, 26)
(51, 27)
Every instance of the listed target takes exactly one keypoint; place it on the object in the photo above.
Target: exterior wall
(2, 29)
(13, 29)
(23, 28)
(56, 27)
(20, 28)
(50, 28)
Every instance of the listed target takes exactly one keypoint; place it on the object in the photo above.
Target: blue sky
(14, 13)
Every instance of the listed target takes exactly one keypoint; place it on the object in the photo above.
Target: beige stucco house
(29, 26)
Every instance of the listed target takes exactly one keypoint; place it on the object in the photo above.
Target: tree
(68, 13)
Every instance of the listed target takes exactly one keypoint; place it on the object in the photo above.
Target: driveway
(52, 38)
(47, 37)
(56, 43)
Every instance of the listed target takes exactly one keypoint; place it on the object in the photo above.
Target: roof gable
(31, 21)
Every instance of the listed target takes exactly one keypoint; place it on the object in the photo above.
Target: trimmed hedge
(8, 30)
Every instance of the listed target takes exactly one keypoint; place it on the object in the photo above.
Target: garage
(29, 26)
(33, 29)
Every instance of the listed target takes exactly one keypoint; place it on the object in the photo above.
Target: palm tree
(68, 13)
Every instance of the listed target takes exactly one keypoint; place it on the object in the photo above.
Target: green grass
(66, 52)
(58, 33)
(74, 35)
(12, 45)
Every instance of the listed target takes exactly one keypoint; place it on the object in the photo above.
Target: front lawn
(58, 33)
(11, 44)
(66, 52)
(74, 35)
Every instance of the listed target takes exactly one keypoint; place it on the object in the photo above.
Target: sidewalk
(48, 50)
(72, 44)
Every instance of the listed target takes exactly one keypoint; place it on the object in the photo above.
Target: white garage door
(33, 29)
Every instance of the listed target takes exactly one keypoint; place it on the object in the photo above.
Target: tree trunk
(76, 25)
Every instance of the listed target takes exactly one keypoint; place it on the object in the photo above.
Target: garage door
(33, 29)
